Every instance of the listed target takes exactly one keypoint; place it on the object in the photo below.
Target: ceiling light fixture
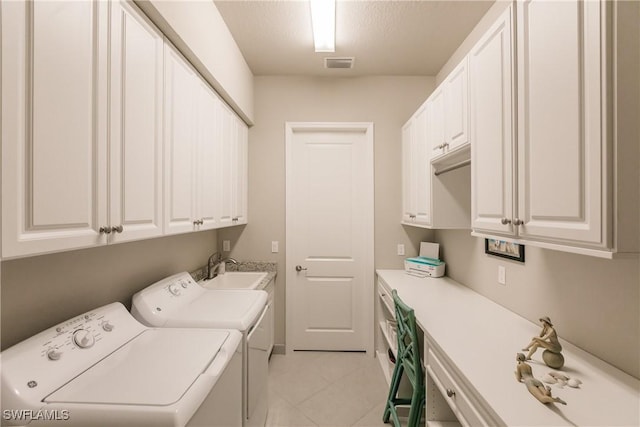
(323, 20)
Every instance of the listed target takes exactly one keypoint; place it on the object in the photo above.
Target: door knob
(518, 221)
(117, 229)
(105, 230)
(505, 221)
(299, 268)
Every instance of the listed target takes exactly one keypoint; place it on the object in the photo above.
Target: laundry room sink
(235, 280)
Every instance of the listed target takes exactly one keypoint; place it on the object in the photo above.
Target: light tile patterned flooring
(331, 389)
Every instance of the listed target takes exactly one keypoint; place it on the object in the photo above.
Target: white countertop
(481, 338)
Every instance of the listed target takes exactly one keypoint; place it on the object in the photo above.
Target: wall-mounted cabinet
(416, 178)
(83, 128)
(549, 185)
(449, 113)
(430, 200)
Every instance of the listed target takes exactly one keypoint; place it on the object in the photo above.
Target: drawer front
(385, 297)
(454, 394)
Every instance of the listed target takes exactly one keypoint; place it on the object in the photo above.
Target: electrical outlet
(502, 275)
(226, 245)
(400, 249)
(274, 247)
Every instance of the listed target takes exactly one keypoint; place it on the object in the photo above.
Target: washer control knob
(174, 289)
(54, 354)
(184, 284)
(107, 327)
(83, 338)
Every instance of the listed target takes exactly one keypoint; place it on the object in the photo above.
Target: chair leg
(417, 404)
(393, 390)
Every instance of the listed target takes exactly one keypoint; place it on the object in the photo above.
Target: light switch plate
(274, 247)
(502, 275)
(400, 249)
(226, 245)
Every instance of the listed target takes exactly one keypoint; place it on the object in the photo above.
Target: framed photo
(504, 249)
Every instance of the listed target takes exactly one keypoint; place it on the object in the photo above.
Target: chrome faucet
(219, 265)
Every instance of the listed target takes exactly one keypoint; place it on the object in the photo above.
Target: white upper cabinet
(53, 163)
(449, 113)
(208, 165)
(234, 170)
(181, 89)
(492, 128)
(240, 168)
(560, 114)
(456, 104)
(416, 182)
(135, 148)
(551, 184)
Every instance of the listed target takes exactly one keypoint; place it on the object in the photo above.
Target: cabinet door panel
(559, 113)
(239, 215)
(53, 125)
(208, 157)
(456, 107)
(490, 83)
(180, 122)
(227, 167)
(422, 167)
(408, 200)
(437, 134)
(136, 125)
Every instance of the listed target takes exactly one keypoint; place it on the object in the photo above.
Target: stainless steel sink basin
(234, 280)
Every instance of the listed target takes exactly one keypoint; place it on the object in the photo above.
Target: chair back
(408, 345)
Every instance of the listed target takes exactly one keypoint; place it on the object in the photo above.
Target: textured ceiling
(385, 37)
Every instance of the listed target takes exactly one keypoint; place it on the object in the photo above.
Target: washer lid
(155, 368)
(229, 309)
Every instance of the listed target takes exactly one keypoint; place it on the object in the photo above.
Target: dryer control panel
(153, 304)
(37, 366)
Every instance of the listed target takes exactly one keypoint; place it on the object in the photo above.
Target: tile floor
(331, 389)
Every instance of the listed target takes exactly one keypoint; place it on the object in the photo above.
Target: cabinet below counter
(471, 343)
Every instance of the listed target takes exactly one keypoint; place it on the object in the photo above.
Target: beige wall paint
(40, 291)
(197, 29)
(386, 101)
(594, 303)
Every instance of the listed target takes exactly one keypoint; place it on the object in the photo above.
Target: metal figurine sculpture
(541, 392)
(548, 339)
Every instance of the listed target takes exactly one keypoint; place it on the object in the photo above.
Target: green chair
(408, 363)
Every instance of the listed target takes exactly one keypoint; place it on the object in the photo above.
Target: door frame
(367, 218)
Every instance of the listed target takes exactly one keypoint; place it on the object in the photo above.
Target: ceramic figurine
(548, 339)
(524, 374)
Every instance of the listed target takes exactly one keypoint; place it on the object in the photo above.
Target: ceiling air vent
(346, 62)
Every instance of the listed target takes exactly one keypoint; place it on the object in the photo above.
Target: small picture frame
(504, 249)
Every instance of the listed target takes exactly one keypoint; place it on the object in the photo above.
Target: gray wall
(40, 291)
(386, 101)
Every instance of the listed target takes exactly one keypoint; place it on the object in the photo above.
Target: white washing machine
(178, 301)
(104, 368)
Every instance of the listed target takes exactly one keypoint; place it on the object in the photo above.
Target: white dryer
(104, 368)
(178, 301)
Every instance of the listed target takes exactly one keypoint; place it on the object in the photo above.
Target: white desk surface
(481, 338)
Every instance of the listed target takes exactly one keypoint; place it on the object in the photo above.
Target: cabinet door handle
(105, 230)
(117, 229)
(505, 221)
(518, 221)
(450, 393)
(299, 268)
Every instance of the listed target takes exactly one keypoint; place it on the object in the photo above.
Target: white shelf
(390, 343)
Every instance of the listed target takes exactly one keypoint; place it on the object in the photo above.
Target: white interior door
(329, 236)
